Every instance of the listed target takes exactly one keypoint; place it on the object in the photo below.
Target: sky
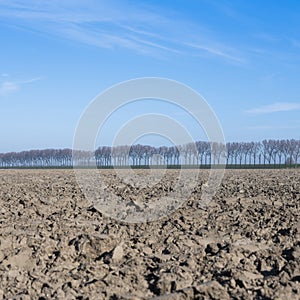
(243, 57)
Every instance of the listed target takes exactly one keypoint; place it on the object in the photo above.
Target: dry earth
(245, 245)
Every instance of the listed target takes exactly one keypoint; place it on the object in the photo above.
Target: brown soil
(245, 245)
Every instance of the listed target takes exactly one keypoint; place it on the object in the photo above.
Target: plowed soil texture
(244, 244)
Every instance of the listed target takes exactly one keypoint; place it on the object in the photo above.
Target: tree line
(201, 153)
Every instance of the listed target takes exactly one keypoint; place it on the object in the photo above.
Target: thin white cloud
(217, 51)
(117, 24)
(271, 127)
(9, 87)
(31, 80)
(275, 107)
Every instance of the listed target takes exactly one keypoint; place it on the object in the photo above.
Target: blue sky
(243, 57)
